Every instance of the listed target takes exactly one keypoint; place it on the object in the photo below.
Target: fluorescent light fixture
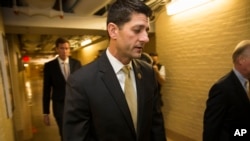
(178, 6)
(86, 42)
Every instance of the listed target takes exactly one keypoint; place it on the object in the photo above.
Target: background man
(228, 105)
(54, 82)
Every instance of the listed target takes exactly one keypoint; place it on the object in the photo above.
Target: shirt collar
(63, 61)
(240, 77)
(115, 63)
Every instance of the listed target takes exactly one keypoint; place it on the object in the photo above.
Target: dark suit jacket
(228, 109)
(96, 108)
(54, 82)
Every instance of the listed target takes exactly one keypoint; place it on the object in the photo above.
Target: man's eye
(137, 30)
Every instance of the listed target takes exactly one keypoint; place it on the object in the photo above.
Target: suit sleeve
(47, 82)
(214, 114)
(76, 113)
(158, 129)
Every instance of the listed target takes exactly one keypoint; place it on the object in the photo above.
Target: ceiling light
(178, 6)
(86, 42)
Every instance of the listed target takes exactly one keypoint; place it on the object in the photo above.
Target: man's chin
(137, 56)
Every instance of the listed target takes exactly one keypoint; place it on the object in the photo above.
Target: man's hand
(156, 68)
(160, 79)
(46, 120)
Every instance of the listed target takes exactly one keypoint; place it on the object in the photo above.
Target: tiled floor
(42, 132)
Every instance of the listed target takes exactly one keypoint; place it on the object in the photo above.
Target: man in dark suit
(96, 103)
(54, 84)
(228, 105)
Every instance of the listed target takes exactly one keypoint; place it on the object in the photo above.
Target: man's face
(63, 50)
(132, 37)
(246, 65)
(155, 59)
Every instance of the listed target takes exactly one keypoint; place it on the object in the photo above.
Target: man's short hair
(120, 11)
(61, 40)
(240, 49)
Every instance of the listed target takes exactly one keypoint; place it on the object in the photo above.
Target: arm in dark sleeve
(158, 129)
(76, 113)
(46, 89)
(214, 114)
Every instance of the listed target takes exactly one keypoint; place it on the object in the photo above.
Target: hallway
(40, 131)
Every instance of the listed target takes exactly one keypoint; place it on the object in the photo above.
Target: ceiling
(37, 37)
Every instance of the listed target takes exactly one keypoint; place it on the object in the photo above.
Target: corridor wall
(196, 47)
(6, 128)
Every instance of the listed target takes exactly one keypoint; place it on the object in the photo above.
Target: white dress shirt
(61, 62)
(117, 66)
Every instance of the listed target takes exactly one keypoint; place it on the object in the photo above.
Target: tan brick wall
(89, 53)
(150, 46)
(196, 47)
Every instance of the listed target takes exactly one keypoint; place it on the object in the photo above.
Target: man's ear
(112, 30)
(241, 59)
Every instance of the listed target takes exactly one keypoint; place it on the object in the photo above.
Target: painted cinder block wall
(196, 47)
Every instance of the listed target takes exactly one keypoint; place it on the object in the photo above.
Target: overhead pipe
(32, 10)
(69, 5)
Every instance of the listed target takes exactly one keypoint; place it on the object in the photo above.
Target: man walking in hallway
(228, 104)
(56, 73)
(114, 97)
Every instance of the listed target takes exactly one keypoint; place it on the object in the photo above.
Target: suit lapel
(110, 80)
(140, 91)
(71, 67)
(58, 69)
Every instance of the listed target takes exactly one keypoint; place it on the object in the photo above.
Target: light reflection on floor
(34, 95)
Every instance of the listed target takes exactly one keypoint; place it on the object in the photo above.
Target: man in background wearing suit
(99, 104)
(228, 105)
(54, 83)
